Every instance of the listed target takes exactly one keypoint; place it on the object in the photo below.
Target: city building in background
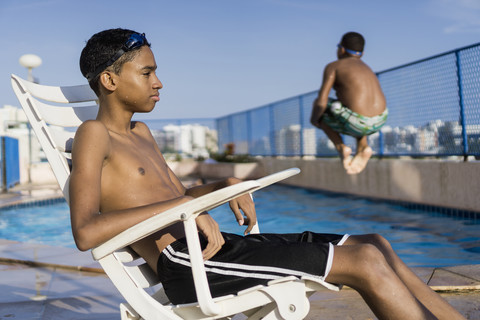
(187, 140)
(176, 141)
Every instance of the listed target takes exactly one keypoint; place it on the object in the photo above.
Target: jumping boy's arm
(320, 104)
(90, 227)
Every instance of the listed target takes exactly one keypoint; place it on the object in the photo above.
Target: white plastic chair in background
(286, 298)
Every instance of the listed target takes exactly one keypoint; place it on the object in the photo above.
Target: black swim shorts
(247, 261)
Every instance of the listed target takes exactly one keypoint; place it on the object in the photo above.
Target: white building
(288, 141)
(191, 140)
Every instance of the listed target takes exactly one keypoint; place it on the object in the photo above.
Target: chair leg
(127, 313)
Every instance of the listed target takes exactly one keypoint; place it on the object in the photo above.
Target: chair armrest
(275, 177)
(204, 296)
(164, 219)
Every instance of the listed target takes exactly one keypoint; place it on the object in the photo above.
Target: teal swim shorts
(345, 121)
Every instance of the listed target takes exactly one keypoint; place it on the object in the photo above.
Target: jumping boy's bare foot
(345, 153)
(360, 160)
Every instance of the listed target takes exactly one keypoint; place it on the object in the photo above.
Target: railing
(433, 111)
(159, 124)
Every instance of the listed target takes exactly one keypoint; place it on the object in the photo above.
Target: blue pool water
(420, 237)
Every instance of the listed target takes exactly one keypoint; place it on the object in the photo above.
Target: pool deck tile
(43, 282)
(60, 291)
(446, 277)
(30, 192)
(471, 271)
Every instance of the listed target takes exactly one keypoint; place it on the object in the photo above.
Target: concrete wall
(431, 182)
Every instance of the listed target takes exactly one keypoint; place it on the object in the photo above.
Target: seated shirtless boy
(361, 107)
(120, 178)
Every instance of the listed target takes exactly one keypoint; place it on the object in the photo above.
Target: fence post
(300, 103)
(381, 143)
(230, 131)
(249, 131)
(462, 106)
(272, 130)
(4, 165)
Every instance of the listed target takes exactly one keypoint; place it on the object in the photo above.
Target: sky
(218, 57)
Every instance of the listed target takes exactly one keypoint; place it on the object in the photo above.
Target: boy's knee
(364, 267)
(374, 239)
(379, 241)
(371, 263)
(369, 253)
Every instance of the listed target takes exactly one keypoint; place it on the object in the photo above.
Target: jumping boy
(361, 107)
(120, 178)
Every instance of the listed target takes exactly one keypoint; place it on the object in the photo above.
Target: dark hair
(353, 41)
(100, 48)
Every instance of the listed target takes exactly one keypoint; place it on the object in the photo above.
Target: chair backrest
(54, 113)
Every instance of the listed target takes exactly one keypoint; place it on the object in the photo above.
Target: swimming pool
(420, 237)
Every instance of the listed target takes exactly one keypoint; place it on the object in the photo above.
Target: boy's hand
(210, 230)
(245, 204)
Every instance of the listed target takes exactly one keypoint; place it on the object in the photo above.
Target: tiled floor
(41, 282)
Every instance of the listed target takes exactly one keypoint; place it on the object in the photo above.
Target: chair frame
(285, 298)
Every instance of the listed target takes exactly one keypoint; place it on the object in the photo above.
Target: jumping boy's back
(357, 86)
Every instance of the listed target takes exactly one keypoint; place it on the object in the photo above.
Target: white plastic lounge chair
(285, 298)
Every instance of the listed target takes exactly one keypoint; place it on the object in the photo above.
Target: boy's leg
(363, 154)
(364, 268)
(429, 298)
(343, 150)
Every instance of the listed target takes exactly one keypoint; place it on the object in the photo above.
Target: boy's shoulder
(90, 131)
(93, 127)
(332, 66)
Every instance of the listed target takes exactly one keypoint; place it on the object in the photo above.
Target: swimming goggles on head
(355, 53)
(135, 40)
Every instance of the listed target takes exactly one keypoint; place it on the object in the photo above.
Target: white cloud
(463, 14)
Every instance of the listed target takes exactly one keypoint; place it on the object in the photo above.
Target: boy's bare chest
(135, 159)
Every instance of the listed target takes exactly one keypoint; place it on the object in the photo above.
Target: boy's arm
(90, 228)
(205, 223)
(320, 104)
(243, 203)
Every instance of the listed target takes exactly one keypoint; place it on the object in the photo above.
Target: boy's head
(353, 43)
(109, 50)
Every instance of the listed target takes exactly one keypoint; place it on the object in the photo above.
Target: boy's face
(137, 83)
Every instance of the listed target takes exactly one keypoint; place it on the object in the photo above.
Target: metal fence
(433, 111)
(160, 124)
